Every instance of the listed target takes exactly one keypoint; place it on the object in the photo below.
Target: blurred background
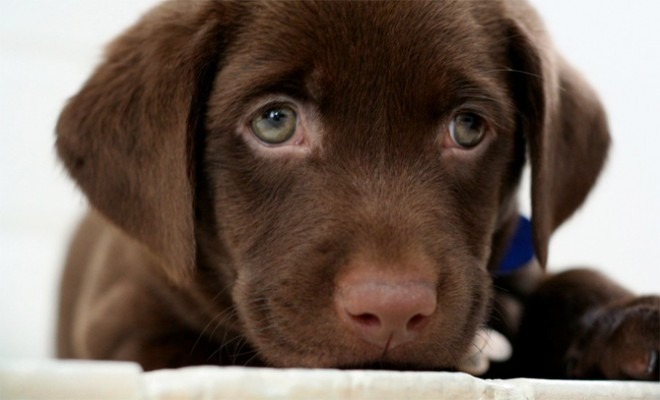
(48, 48)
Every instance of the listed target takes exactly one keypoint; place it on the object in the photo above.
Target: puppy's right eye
(275, 125)
(467, 130)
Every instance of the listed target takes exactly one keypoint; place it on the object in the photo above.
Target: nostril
(417, 322)
(366, 319)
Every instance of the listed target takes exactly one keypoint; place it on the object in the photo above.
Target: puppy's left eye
(467, 130)
(275, 125)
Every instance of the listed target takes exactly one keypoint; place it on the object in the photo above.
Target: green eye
(467, 129)
(275, 125)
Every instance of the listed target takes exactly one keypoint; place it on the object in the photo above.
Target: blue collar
(521, 249)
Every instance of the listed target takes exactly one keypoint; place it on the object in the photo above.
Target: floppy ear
(564, 123)
(128, 137)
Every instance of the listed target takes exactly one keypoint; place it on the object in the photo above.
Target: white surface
(48, 48)
(124, 381)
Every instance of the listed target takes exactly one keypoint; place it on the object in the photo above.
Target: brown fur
(204, 247)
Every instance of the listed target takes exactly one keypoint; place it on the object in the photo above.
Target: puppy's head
(348, 168)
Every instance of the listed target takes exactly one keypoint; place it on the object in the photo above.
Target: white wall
(616, 44)
(48, 48)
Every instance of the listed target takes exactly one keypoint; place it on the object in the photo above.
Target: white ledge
(73, 380)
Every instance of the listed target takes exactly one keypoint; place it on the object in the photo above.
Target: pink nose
(385, 311)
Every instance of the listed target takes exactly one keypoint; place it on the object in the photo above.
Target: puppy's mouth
(402, 359)
(397, 317)
(325, 341)
(407, 358)
(343, 350)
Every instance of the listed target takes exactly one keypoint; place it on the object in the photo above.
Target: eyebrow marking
(291, 84)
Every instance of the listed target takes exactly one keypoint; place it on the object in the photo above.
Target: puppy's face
(346, 169)
(362, 153)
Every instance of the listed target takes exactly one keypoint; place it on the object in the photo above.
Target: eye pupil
(468, 120)
(275, 115)
(275, 118)
(467, 130)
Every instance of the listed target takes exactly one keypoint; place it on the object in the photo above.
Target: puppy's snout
(385, 310)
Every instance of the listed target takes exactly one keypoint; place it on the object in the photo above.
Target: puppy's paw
(620, 341)
(488, 345)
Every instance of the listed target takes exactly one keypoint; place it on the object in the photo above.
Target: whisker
(201, 334)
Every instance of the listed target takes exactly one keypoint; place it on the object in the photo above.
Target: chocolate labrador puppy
(333, 184)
